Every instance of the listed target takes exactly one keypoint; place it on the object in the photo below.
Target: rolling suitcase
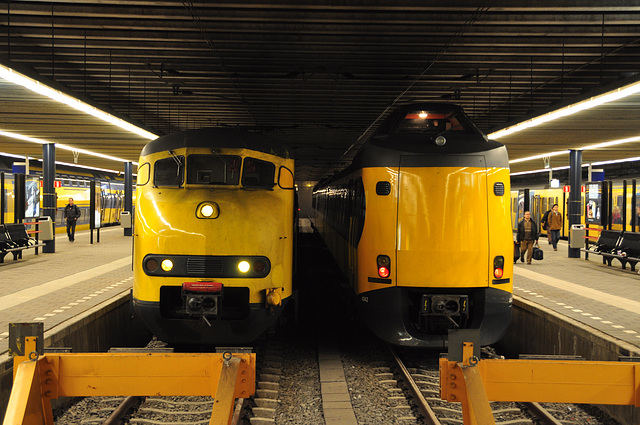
(516, 251)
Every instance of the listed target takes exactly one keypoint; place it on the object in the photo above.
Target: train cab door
(443, 222)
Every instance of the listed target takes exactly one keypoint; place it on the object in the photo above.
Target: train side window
(257, 173)
(285, 178)
(213, 169)
(144, 174)
(169, 171)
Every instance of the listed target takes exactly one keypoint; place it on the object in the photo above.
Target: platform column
(575, 182)
(128, 194)
(49, 201)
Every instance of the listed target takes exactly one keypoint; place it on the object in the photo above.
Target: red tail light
(384, 266)
(383, 272)
(498, 267)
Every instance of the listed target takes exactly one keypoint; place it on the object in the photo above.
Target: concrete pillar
(49, 201)
(575, 181)
(128, 194)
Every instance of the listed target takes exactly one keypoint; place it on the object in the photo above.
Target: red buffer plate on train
(213, 287)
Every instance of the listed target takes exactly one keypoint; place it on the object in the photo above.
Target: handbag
(538, 254)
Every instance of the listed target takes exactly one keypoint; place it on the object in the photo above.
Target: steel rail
(541, 413)
(422, 405)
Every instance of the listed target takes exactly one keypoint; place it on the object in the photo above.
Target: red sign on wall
(566, 189)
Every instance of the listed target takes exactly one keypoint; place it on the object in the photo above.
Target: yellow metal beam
(37, 380)
(556, 381)
(223, 405)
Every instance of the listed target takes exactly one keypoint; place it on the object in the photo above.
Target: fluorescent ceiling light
(61, 146)
(37, 87)
(541, 170)
(594, 101)
(565, 167)
(584, 148)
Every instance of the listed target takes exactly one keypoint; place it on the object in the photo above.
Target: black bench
(615, 244)
(14, 239)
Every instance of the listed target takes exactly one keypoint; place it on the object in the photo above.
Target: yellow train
(69, 184)
(213, 236)
(419, 225)
(618, 207)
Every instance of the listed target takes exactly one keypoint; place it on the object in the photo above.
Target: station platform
(57, 287)
(589, 292)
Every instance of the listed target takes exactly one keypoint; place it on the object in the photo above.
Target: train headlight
(244, 266)
(208, 210)
(151, 264)
(166, 265)
(440, 141)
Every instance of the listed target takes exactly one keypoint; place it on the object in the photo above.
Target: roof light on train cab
(423, 115)
(166, 265)
(244, 266)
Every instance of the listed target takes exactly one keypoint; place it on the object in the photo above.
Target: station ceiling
(318, 75)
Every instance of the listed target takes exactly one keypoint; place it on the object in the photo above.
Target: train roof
(216, 137)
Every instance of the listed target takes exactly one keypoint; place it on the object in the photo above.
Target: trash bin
(125, 219)
(45, 225)
(576, 236)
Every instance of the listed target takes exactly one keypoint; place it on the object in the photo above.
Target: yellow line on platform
(583, 291)
(26, 295)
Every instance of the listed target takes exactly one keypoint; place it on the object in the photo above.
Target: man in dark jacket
(71, 214)
(527, 236)
(544, 221)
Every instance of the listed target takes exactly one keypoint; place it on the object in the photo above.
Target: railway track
(420, 377)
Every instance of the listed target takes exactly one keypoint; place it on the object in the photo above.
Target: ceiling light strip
(594, 101)
(61, 146)
(37, 87)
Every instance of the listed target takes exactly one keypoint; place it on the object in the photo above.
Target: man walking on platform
(71, 214)
(555, 224)
(527, 235)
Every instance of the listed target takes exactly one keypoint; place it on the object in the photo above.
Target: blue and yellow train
(69, 184)
(419, 225)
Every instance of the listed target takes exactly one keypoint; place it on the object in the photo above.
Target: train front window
(435, 122)
(258, 174)
(169, 171)
(213, 169)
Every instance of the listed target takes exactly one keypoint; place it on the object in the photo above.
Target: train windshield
(435, 122)
(213, 169)
(258, 174)
(169, 171)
